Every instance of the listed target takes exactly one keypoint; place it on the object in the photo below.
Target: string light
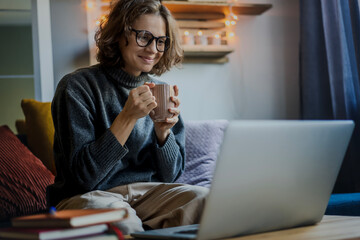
(90, 5)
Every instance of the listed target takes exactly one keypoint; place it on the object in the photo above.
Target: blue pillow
(202, 144)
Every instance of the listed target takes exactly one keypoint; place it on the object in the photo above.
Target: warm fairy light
(200, 33)
(97, 22)
(227, 22)
(90, 5)
(233, 22)
(234, 17)
(186, 33)
(231, 34)
(217, 35)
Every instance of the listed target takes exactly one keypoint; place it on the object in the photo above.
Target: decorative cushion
(40, 130)
(23, 178)
(346, 204)
(203, 140)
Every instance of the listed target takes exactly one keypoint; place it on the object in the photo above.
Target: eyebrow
(139, 30)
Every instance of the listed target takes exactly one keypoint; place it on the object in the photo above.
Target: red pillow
(23, 178)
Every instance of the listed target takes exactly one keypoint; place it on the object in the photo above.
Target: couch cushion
(40, 130)
(23, 178)
(203, 140)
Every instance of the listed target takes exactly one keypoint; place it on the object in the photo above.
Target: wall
(16, 69)
(261, 79)
(69, 36)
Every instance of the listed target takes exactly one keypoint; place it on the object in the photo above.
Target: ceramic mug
(162, 94)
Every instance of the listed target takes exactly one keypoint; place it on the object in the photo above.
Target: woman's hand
(140, 102)
(162, 129)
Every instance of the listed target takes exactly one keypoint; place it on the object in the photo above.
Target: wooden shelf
(206, 54)
(208, 16)
(206, 51)
(215, 7)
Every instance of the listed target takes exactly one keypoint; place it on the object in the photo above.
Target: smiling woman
(108, 151)
(109, 32)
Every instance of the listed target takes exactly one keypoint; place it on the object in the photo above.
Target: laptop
(270, 175)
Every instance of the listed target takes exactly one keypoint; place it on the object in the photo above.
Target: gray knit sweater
(87, 155)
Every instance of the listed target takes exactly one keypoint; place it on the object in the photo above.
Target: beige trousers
(154, 205)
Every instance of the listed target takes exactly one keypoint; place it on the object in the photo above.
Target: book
(54, 233)
(71, 218)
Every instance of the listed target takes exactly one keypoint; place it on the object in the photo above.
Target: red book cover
(70, 218)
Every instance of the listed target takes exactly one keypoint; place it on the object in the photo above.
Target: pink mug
(162, 94)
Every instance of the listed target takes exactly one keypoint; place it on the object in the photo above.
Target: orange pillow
(40, 130)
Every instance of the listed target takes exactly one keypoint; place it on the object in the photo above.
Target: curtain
(329, 73)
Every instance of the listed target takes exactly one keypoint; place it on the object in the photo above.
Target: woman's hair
(119, 22)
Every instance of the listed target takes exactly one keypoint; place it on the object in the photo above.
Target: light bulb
(90, 5)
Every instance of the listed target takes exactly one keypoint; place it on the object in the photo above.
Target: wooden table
(331, 227)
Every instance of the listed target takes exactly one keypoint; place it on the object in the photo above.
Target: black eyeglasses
(144, 38)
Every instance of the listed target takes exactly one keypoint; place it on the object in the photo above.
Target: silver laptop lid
(273, 175)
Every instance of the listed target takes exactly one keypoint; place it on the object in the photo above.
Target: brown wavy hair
(122, 15)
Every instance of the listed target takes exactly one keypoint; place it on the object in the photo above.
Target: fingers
(175, 111)
(172, 120)
(176, 90)
(176, 101)
(143, 92)
(150, 84)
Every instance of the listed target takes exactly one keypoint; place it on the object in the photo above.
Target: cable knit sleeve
(171, 156)
(86, 153)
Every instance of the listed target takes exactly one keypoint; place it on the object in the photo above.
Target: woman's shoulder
(81, 76)
(85, 72)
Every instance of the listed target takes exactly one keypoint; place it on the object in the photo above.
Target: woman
(108, 151)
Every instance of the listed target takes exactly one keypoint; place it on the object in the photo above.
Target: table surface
(330, 227)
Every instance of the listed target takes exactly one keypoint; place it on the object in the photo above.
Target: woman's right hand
(140, 102)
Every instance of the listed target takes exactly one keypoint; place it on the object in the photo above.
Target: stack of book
(90, 224)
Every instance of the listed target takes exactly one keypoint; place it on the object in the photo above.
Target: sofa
(27, 165)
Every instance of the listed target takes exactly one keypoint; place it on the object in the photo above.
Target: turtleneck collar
(126, 80)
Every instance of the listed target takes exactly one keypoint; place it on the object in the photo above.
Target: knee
(192, 192)
(94, 199)
(199, 192)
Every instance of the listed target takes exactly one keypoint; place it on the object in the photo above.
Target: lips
(148, 60)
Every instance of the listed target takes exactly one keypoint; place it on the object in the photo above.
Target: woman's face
(142, 59)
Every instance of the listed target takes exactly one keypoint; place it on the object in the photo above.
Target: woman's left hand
(162, 129)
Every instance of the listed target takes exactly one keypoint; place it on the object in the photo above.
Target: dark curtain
(329, 73)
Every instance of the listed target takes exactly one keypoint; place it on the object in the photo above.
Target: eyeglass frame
(151, 40)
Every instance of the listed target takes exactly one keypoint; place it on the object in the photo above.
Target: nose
(152, 46)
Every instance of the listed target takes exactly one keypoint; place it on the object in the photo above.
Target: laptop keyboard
(190, 231)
